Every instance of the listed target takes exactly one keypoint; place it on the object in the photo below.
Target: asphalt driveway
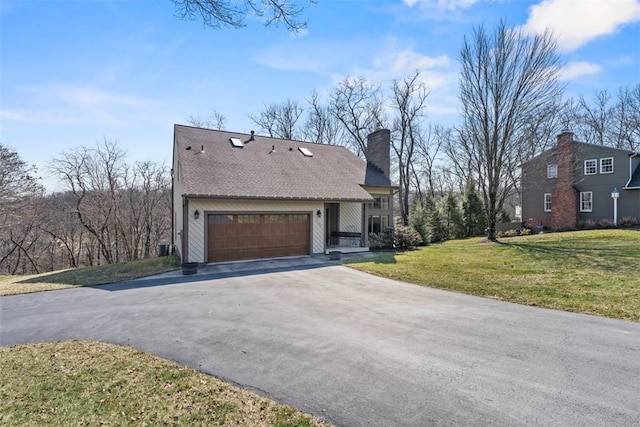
(358, 350)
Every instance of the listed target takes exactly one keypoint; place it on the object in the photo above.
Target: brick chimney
(378, 147)
(564, 199)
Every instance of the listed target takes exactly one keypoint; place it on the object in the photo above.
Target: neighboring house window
(552, 171)
(606, 165)
(547, 202)
(586, 201)
(590, 167)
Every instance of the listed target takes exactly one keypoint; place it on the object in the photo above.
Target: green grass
(93, 383)
(594, 272)
(87, 276)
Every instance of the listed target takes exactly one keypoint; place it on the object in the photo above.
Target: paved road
(358, 350)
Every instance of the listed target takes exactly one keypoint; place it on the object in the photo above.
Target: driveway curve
(359, 350)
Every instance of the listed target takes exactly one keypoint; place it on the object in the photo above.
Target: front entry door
(331, 222)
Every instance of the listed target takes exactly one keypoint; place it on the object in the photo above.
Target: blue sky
(75, 72)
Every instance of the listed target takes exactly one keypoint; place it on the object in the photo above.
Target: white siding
(197, 227)
(351, 217)
(177, 208)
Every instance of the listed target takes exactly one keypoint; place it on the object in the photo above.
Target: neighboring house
(239, 196)
(573, 183)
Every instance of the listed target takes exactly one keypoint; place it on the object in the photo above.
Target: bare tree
(358, 105)
(626, 118)
(409, 99)
(427, 167)
(507, 79)
(20, 213)
(218, 14)
(215, 121)
(595, 117)
(279, 120)
(321, 126)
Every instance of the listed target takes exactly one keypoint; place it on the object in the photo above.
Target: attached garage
(241, 236)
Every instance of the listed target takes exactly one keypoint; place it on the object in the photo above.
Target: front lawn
(87, 276)
(92, 383)
(594, 272)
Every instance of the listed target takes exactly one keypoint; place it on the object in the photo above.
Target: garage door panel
(252, 236)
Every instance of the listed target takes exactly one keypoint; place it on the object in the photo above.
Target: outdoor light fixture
(319, 213)
(614, 195)
(196, 214)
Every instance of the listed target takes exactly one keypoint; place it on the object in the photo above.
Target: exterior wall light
(196, 214)
(614, 195)
(319, 213)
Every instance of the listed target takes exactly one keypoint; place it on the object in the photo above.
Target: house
(574, 182)
(243, 196)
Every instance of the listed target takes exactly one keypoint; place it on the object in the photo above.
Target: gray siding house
(573, 183)
(238, 196)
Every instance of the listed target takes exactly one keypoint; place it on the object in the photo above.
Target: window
(590, 167)
(547, 202)
(305, 152)
(248, 218)
(586, 201)
(274, 218)
(236, 142)
(381, 202)
(552, 171)
(378, 224)
(606, 165)
(220, 219)
(298, 218)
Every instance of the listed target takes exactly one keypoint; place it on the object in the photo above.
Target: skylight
(236, 142)
(305, 151)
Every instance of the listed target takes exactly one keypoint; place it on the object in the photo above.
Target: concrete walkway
(358, 350)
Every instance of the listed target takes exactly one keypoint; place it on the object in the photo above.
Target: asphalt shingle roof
(269, 168)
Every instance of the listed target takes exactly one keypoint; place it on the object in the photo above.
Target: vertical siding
(197, 227)
(177, 208)
(351, 217)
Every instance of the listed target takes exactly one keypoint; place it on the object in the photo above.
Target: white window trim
(596, 166)
(606, 158)
(554, 168)
(545, 202)
(582, 194)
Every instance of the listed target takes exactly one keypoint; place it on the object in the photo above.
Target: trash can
(189, 268)
(163, 249)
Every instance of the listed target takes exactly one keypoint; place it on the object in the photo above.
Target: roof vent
(236, 142)
(305, 152)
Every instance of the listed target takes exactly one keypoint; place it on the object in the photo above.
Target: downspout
(630, 169)
(185, 229)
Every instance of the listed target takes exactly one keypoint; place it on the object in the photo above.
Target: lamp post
(614, 195)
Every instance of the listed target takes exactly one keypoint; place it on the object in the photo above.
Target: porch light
(196, 214)
(318, 213)
(614, 195)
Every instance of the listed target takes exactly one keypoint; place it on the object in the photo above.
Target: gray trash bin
(163, 249)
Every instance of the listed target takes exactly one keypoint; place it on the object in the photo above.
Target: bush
(628, 222)
(510, 233)
(525, 232)
(419, 220)
(400, 237)
(382, 240)
(406, 237)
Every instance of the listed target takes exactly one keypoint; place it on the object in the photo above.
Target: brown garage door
(250, 236)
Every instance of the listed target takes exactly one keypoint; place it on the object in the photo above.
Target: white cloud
(442, 4)
(578, 69)
(576, 23)
(87, 96)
